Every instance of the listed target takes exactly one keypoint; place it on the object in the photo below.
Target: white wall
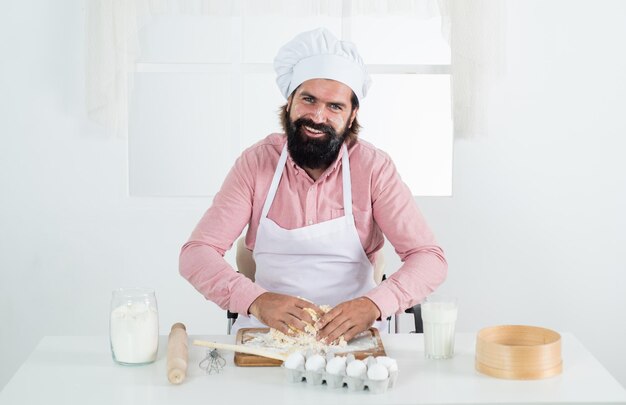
(532, 232)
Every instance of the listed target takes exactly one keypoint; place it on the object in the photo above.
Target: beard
(313, 153)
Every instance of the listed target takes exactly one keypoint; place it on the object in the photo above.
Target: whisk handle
(241, 349)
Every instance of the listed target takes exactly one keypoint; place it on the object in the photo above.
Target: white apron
(324, 263)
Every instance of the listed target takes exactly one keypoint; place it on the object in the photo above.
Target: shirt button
(310, 222)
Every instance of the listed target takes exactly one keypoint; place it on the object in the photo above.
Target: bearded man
(318, 203)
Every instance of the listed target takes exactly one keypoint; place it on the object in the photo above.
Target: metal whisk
(213, 362)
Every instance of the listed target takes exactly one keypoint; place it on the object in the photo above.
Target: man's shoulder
(365, 151)
(270, 145)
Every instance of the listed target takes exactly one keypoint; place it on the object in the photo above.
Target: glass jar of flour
(134, 326)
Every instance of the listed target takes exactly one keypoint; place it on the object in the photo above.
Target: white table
(78, 369)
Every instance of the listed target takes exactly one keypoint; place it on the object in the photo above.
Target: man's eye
(309, 99)
(336, 107)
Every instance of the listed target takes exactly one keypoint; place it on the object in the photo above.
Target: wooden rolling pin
(177, 354)
(242, 349)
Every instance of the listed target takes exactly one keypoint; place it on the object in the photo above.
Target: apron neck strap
(347, 184)
(274, 186)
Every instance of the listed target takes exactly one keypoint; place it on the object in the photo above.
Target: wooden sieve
(518, 352)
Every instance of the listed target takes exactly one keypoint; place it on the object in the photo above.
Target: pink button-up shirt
(382, 205)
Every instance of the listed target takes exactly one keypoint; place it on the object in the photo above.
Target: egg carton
(354, 378)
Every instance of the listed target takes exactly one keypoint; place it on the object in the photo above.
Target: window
(204, 89)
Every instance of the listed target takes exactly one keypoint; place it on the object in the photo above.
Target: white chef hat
(318, 54)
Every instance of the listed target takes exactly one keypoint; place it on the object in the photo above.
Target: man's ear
(353, 116)
(289, 102)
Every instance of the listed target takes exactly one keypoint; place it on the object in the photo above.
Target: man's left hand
(348, 319)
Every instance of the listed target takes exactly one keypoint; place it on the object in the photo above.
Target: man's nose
(318, 115)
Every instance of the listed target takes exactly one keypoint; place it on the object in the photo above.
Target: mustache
(327, 129)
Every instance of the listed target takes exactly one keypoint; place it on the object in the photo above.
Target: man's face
(320, 115)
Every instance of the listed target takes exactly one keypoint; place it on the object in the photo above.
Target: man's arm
(424, 266)
(201, 260)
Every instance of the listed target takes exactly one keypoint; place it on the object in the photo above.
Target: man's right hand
(283, 312)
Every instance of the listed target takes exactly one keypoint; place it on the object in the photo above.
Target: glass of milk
(439, 317)
(134, 326)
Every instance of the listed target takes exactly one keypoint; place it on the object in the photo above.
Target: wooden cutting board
(251, 360)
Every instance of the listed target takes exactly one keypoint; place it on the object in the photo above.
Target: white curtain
(474, 29)
(476, 32)
(112, 50)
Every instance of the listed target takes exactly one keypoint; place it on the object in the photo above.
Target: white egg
(294, 361)
(377, 372)
(356, 368)
(315, 363)
(336, 365)
(391, 364)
